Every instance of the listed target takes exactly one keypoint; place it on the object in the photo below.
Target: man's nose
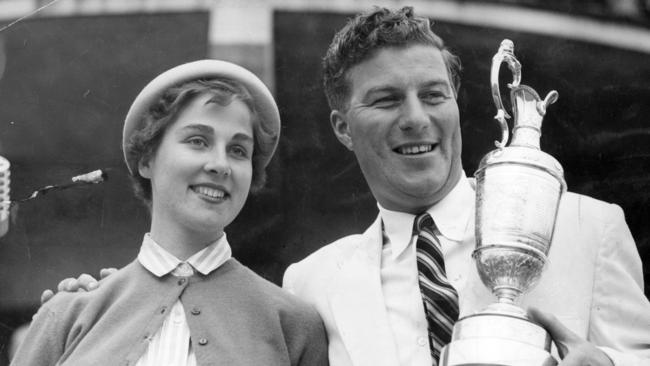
(414, 115)
(218, 163)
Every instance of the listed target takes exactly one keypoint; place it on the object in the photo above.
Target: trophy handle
(505, 54)
(551, 98)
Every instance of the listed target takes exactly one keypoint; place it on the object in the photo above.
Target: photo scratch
(35, 11)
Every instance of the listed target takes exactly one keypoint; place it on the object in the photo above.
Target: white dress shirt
(399, 273)
(171, 345)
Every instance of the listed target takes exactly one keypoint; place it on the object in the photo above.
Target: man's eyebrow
(437, 82)
(381, 89)
(389, 88)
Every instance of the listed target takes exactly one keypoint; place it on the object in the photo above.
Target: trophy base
(498, 339)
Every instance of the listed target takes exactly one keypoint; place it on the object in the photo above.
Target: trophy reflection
(518, 190)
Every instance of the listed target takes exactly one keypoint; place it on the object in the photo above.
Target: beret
(265, 105)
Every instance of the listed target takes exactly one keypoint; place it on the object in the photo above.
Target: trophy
(518, 190)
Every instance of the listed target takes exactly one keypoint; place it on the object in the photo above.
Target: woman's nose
(218, 164)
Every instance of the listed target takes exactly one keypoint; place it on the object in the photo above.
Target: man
(392, 88)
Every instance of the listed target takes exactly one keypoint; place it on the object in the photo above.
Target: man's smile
(414, 149)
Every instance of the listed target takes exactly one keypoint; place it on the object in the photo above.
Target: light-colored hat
(265, 106)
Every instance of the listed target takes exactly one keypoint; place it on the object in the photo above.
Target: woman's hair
(144, 142)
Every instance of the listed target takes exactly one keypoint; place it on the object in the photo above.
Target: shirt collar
(451, 215)
(160, 262)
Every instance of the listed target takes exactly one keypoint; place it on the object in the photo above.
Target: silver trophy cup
(518, 195)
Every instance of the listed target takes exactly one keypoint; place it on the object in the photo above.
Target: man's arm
(620, 311)
(619, 318)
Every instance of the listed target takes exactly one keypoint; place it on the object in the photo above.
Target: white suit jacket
(592, 283)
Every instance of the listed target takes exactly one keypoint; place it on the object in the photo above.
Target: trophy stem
(518, 191)
(506, 295)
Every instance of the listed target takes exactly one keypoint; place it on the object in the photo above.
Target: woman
(196, 140)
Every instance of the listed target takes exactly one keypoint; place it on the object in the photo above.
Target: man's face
(201, 172)
(402, 124)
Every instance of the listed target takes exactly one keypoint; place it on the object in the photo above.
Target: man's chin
(412, 201)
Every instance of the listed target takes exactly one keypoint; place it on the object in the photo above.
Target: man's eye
(434, 97)
(385, 102)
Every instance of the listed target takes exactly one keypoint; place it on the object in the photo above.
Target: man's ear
(341, 128)
(144, 169)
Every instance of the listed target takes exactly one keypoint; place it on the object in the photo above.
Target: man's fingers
(105, 272)
(68, 285)
(561, 335)
(46, 295)
(87, 282)
(551, 324)
(572, 359)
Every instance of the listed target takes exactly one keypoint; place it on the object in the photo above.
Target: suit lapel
(358, 305)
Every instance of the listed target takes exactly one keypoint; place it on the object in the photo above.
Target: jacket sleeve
(620, 311)
(289, 279)
(43, 343)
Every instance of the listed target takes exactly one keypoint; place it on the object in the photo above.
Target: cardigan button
(181, 281)
(203, 341)
(196, 311)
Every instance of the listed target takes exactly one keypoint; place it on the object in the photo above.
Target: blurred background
(69, 70)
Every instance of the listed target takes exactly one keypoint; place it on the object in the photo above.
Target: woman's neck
(182, 243)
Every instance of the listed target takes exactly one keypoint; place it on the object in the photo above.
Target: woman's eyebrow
(199, 127)
(244, 137)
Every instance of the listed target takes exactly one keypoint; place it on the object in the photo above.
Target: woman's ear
(144, 168)
(341, 128)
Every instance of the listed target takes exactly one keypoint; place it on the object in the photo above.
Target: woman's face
(201, 172)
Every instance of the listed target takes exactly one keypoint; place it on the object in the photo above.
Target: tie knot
(423, 221)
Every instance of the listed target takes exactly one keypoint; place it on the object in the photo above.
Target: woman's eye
(239, 151)
(197, 141)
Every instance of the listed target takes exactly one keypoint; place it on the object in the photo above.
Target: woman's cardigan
(235, 318)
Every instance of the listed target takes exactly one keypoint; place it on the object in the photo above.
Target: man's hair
(144, 142)
(369, 32)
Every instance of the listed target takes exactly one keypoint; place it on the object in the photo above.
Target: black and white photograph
(325, 182)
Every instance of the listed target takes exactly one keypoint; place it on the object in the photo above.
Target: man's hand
(85, 282)
(573, 350)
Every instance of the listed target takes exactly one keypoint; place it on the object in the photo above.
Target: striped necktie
(439, 297)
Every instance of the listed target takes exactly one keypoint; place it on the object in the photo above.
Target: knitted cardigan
(235, 318)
